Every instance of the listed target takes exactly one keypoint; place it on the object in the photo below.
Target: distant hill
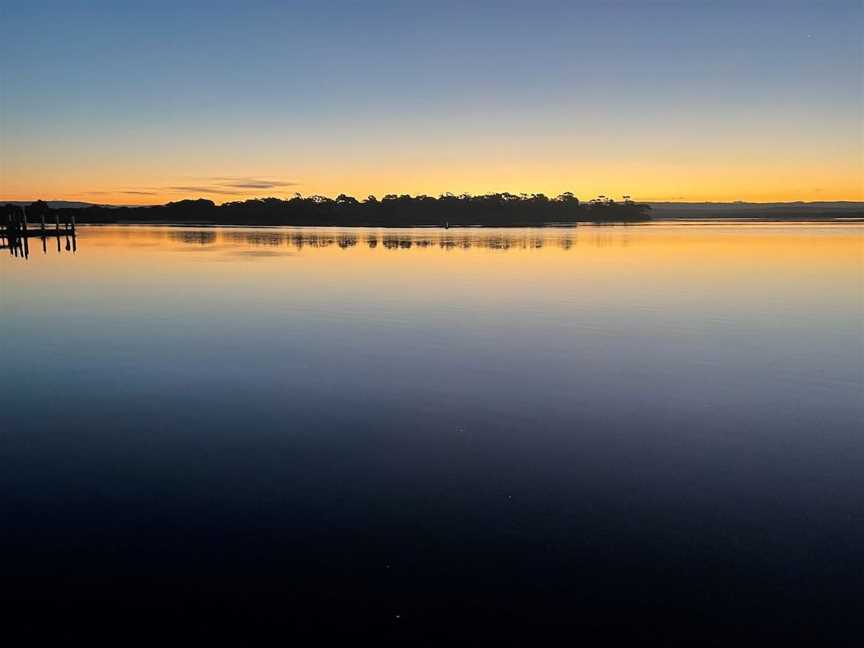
(55, 204)
(775, 210)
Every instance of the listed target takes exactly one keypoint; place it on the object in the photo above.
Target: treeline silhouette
(498, 210)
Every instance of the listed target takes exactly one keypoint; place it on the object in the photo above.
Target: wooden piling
(24, 232)
(15, 232)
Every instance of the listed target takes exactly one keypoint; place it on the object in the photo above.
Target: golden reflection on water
(730, 258)
(669, 293)
(699, 245)
(565, 238)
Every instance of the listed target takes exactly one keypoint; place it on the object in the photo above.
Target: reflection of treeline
(463, 239)
(501, 209)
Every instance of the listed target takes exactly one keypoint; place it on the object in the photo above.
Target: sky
(697, 100)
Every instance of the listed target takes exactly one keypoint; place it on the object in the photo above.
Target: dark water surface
(651, 432)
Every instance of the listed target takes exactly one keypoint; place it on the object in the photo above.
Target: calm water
(651, 431)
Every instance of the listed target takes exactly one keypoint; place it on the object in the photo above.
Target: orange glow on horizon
(645, 181)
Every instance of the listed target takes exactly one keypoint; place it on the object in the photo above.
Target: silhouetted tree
(497, 209)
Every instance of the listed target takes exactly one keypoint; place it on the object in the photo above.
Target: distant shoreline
(754, 211)
(447, 210)
(491, 210)
(696, 221)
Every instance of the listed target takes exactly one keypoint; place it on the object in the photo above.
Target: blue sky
(680, 100)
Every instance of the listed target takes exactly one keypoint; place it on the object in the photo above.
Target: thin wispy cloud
(233, 185)
(260, 185)
(251, 183)
(206, 189)
(129, 192)
(218, 185)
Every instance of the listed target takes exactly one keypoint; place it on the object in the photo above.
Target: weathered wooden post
(10, 238)
(19, 242)
(24, 233)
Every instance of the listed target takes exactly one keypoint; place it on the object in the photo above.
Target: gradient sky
(688, 100)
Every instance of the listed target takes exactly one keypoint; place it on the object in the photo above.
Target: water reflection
(300, 238)
(502, 417)
(193, 237)
(279, 241)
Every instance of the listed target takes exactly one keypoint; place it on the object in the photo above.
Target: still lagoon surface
(649, 430)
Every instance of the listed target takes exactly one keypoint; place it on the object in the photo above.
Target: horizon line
(267, 197)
